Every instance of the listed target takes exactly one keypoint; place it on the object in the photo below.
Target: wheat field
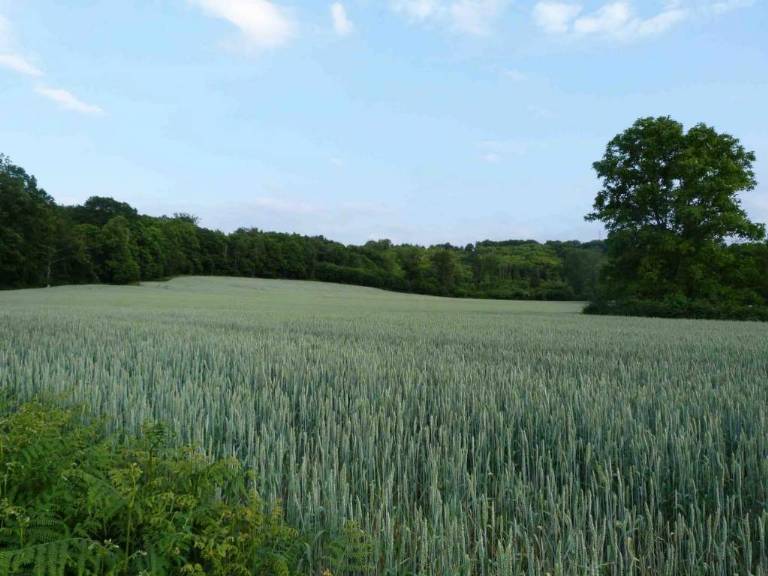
(466, 437)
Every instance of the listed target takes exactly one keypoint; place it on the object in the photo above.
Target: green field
(465, 436)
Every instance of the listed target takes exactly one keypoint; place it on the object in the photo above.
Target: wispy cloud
(68, 101)
(263, 24)
(724, 6)
(342, 25)
(618, 19)
(11, 60)
(18, 63)
(418, 9)
(473, 17)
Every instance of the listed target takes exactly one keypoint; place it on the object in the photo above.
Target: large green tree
(670, 204)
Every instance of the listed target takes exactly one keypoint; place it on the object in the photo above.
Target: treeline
(104, 240)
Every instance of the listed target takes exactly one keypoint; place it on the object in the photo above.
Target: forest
(703, 258)
(108, 241)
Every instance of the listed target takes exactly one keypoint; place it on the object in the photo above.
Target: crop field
(465, 437)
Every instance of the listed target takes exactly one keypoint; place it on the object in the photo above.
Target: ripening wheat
(467, 437)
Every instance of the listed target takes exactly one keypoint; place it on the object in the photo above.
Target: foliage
(109, 241)
(670, 204)
(120, 266)
(466, 437)
(680, 308)
(27, 241)
(73, 501)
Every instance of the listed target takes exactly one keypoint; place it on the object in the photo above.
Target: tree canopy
(677, 236)
(671, 207)
(105, 240)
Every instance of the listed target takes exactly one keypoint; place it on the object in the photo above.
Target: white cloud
(609, 19)
(614, 19)
(19, 64)
(12, 60)
(658, 24)
(727, 5)
(555, 17)
(617, 19)
(418, 9)
(9, 57)
(262, 23)
(68, 101)
(341, 22)
(474, 17)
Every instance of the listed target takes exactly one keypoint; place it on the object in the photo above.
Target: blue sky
(417, 120)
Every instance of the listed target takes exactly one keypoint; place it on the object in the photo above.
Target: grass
(466, 436)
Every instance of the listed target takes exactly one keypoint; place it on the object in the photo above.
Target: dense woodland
(678, 243)
(104, 240)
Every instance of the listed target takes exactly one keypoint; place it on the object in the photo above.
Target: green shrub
(74, 501)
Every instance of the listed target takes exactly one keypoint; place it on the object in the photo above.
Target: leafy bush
(680, 308)
(74, 501)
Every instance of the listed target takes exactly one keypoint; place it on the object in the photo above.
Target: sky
(421, 121)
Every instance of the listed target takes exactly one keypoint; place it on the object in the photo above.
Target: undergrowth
(76, 501)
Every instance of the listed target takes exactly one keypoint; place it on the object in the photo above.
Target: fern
(74, 501)
(50, 558)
